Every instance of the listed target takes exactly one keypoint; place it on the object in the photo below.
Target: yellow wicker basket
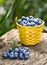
(30, 35)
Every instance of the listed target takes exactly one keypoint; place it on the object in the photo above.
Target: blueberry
(39, 22)
(26, 57)
(21, 56)
(16, 49)
(21, 23)
(11, 56)
(23, 18)
(16, 55)
(27, 18)
(5, 55)
(31, 20)
(32, 24)
(35, 20)
(19, 20)
(25, 22)
(21, 49)
(36, 24)
(28, 24)
(24, 51)
(8, 54)
(26, 48)
(10, 49)
(30, 17)
(12, 52)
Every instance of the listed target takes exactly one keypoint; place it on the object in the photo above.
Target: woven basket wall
(30, 35)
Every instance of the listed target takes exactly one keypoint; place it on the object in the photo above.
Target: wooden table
(38, 53)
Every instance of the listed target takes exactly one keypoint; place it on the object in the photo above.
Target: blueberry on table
(8, 54)
(11, 56)
(10, 49)
(21, 50)
(26, 57)
(24, 51)
(27, 53)
(21, 56)
(16, 55)
(26, 48)
(12, 52)
(16, 50)
(4, 55)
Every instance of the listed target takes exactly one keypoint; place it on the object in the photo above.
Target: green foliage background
(18, 8)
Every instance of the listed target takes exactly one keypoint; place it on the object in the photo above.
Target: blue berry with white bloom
(24, 51)
(26, 57)
(39, 22)
(27, 53)
(30, 17)
(26, 48)
(36, 20)
(16, 55)
(19, 20)
(5, 55)
(31, 20)
(28, 24)
(12, 52)
(27, 18)
(10, 49)
(8, 53)
(16, 50)
(11, 56)
(25, 22)
(21, 49)
(21, 56)
(32, 24)
(23, 18)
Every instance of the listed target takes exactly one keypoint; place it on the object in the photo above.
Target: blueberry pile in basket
(21, 53)
(29, 21)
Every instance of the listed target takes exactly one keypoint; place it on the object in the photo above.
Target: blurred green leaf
(15, 44)
(18, 8)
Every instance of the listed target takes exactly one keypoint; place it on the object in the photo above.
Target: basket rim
(30, 26)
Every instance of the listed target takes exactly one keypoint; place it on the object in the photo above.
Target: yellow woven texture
(30, 35)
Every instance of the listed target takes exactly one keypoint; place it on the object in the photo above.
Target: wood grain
(38, 53)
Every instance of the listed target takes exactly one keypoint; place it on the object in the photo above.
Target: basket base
(30, 44)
